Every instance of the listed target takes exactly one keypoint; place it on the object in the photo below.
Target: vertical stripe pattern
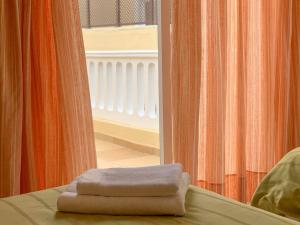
(46, 130)
(235, 90)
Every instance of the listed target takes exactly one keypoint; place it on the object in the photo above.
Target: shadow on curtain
(46, 130)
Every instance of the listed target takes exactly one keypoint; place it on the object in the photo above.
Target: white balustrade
(124, 87)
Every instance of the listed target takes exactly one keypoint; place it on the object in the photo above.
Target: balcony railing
(124, 87)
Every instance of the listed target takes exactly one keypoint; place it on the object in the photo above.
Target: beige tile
(120, 154)
(105, 145)
(113, 155)
(150, 160)
(106, 164)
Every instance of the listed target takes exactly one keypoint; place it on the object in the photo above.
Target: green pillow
(279, 191)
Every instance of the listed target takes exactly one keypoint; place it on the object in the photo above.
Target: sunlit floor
(113, 155)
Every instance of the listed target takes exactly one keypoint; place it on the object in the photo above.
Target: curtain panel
(235, 90)
(46, 130)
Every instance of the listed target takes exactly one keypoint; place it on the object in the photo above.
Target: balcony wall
(121, 38)
(124, 97)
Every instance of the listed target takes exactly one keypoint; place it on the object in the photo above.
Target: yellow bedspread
(203, 207)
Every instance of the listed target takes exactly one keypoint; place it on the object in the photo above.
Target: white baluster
(119, 87)
(156, 91)
(125, 88)
(140, 90)
(146, 71)
(129, 85)
(96, 87)
(109, 87)
(101, 85)
(151, 90)
(91, 77)
(114, 87)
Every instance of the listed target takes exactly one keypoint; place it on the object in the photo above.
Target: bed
(203, 207)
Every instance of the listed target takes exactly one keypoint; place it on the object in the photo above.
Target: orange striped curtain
(235, 90)
(46, 130)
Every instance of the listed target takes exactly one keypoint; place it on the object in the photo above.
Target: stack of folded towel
(155, 190)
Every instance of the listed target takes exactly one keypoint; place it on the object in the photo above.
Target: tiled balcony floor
(113, 155)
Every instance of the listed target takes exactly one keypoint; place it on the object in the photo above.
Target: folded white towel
(160, 180)
(167, 205)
